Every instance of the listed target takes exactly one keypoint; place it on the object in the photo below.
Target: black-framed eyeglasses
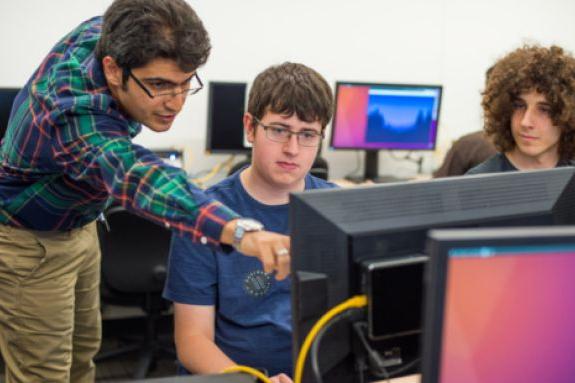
(162, 88)
(282, 134)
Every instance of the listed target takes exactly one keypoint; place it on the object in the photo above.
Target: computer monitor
(226, 106)
(7, 96)
(335, 231)
(500, 306)
(375, 117)
(171, 156)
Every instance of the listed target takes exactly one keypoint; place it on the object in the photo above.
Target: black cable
(375, 358)
(361, 367)
(372, 355)
(314, 352)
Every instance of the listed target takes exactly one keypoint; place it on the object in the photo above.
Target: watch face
(250, 224)
(245, 225)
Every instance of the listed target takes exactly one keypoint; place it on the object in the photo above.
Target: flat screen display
(226, 108)
(509, 315)
(386, 116)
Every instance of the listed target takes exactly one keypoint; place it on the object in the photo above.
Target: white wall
(448, 42)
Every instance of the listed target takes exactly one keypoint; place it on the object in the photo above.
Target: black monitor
(7, 96)
(335, 232)
(375, 117)
(226, 108)
(500, 306)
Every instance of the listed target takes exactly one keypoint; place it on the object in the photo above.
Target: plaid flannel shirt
(68, 149)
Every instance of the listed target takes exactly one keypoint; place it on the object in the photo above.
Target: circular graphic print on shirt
(257, 283)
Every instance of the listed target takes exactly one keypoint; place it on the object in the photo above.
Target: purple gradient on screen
(510, 319)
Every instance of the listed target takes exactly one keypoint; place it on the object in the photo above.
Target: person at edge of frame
(68, 150)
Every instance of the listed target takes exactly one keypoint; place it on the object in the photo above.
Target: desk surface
(344, 183)
(241, 378)
(407, 379)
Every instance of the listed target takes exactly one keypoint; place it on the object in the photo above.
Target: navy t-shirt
(253, 310)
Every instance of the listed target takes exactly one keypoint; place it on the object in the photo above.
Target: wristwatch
(243, 226)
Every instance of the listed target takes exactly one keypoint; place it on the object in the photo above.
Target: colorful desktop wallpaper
(510, 317)
(374, 117)
(351, 117)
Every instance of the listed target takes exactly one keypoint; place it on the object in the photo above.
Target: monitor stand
(371, 170)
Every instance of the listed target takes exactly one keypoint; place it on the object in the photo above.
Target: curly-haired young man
(529, 108)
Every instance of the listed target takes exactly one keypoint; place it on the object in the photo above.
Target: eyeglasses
(163, 88)
(282, 134)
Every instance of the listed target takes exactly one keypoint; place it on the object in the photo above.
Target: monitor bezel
(333, 230)
(375, 84)
(209, 128)
(15, 91)
(439, 243)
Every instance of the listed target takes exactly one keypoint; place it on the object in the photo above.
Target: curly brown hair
(549, 71)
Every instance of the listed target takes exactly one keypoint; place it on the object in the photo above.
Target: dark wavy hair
(549, 71)
(135, 32)
(292, 88)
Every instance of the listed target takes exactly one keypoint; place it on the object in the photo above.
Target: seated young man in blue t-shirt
(227, 309)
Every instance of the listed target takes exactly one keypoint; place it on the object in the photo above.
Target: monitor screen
(385, 116)
(173, 157)
(226, 108)
(7, 96)
(501, 306)
(334, 232)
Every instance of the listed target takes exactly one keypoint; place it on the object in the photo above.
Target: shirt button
(204, 240)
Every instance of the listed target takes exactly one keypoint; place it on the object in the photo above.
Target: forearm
(165, 195)
(148, 187)
(200, 355)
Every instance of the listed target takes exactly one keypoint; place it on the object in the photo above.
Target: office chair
(134, 258)
(240, 165)
(320, 168)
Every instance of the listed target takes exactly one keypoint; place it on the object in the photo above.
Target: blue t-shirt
(253, 319)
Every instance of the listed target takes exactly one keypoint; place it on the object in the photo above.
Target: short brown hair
(549, 71)
(292, 88)
(135, 32)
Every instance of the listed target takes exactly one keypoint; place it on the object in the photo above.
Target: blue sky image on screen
(400, 118)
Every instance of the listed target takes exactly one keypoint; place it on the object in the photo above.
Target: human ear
(112, 72)
(249, 127)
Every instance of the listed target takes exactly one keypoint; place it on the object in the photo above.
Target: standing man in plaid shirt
(68, 149)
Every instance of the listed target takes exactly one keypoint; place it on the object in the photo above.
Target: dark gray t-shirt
(499, 163)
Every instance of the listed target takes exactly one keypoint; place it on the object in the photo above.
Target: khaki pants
(50, 326)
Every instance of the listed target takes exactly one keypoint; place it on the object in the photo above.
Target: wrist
(243, 227)
(227, 236)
